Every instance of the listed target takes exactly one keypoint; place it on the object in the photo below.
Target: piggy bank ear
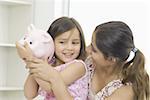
(47, 38)
(31, 28)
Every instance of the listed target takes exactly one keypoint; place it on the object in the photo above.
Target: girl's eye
(61, 42)
(30, 42)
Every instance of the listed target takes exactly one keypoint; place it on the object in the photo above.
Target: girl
(69, 56)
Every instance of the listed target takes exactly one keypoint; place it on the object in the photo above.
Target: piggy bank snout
(22, 42)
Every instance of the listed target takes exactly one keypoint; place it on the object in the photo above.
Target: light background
(135, 13)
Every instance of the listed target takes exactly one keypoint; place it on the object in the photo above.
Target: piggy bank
(40, 42)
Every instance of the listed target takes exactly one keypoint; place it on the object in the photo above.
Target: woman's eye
(75, 42)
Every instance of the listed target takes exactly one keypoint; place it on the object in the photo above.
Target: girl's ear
(31, 28)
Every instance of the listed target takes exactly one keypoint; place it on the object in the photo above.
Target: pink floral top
(107, 90)
(78, 89)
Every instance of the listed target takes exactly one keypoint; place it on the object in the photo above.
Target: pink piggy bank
(40, 42)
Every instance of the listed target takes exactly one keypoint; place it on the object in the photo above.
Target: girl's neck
(58, 62)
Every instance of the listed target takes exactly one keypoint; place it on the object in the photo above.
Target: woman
(118, 65)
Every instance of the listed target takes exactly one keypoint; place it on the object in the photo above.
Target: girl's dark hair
(115, 39)
(64, 24)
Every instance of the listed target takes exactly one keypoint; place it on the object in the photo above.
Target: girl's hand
(41, 69)
(24, 52)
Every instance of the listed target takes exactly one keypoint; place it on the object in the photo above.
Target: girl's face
(67, 45)
(96, 54)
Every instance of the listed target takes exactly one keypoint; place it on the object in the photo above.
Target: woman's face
(96, 54)
(67, 45)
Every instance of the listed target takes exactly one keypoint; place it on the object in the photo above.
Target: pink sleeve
(85, 66)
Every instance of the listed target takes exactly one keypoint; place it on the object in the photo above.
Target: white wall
(61, 8)
(135, 13)
(46, 11)
(43, 13)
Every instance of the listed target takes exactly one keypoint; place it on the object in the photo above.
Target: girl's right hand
(24, 52)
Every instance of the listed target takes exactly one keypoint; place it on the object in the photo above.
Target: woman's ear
(112, 59)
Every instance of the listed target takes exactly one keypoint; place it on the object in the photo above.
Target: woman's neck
(106, 75)
(101, 78)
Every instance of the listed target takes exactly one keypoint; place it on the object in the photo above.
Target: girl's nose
(69, 46)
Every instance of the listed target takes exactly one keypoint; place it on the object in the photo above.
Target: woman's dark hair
(115, 39)
(64, 24)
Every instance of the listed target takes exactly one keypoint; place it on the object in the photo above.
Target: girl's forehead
(73, 34)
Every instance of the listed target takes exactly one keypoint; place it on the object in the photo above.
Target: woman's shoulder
(125, 92)
(116, 90)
